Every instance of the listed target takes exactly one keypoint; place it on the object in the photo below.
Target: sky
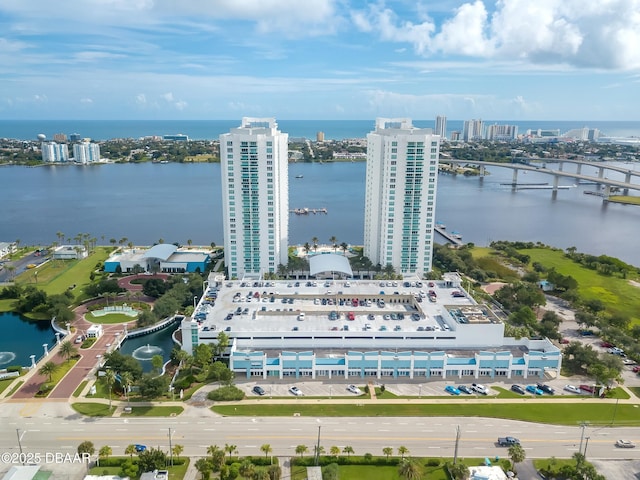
(319, 59)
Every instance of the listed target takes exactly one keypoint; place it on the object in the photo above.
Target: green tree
(516, 454)
(153, 387)
(126, 380)
(301, 450)
(348, 449)
(109, 378)
(261, 475)
(275, 472)
(157, 361)
(67, 350)
(105, 452)
(230, 449)
(334, 451)
(402, 451)
(334, 242)
(247, 469)
(203, 467)
(459, 471)
(48, 369)
(314, 241)
(152, 459)
(410, 470)
(86, 447)
(177, 450)
(130, 450)
(128, 469)
(266, 449)
(387, 452)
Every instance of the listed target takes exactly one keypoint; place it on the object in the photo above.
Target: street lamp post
(586, 444)
(170, 447)
(195, 297)
(20, 445)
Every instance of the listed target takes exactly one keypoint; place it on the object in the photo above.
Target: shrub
(14, 368)
(433, 462)
(226, 394)
(382, 388)
(368, 457)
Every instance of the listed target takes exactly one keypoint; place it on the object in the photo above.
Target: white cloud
(181, 105)
(603, 34)
(168, 96)
(86, 101)
(141, 99)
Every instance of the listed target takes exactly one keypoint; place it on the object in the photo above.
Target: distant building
(473, 130)
(505, 133)
(69, 252)
(74, 137)
(176, 138)
(86, 152)
(164, 257)
(455, 136)
(584, 134)
(6, 248)
(441, 126)
(60, 137)
(400, 195)
(320, 137)
(255, 192)
(53, 152)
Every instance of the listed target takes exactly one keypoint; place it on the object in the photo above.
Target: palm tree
(301, 450)
(110, 378)
(105, 452)
(203, 467)
(67, 350)
(402, 451)
(126, 379)
(189, 242)
(266, 449)
(130, 450)
(230, 449)
(344, 247)
(247, 469)
(348, 449)
(275, 472)
(334, 242)
(261, 475)
(410, 470)
(48, 369)
(387, 452)
(314, 240)
(334, 451)
(516, 454)
(307, 248)
(177, 450)
(212, 449)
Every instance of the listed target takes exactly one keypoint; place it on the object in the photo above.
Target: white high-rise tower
(400, 202)
(255, 197)
(441, 126)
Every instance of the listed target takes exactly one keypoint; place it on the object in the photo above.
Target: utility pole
(170, 447)
(583, 425)
(455, 451)
(585, 448)
(20, 445)
(317, 459)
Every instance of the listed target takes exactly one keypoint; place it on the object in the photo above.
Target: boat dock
(307, 211)
(452, 237)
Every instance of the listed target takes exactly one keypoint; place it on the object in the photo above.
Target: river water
(176, 203)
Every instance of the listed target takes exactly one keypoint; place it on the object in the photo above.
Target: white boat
(456, 235)
(299, 176)
(441, 225)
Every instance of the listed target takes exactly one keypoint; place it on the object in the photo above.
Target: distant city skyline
(319, 59)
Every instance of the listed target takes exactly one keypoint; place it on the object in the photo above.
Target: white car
(354, 389)
(625, 444)
(296, 391)
(478, 388)
(572, 389)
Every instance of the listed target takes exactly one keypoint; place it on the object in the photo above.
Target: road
(196, 429)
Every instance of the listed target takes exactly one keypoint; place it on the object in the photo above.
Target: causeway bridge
(625, 185)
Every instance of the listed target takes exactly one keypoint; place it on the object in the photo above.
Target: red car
(636, 369)
(606, 344)
(588, 388)
(564, 341)
(351, 316)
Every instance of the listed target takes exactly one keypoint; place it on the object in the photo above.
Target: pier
(449, 236)
(307, 211)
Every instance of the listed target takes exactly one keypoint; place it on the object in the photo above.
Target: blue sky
(320, 59)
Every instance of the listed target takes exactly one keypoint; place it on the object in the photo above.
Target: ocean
(211, 129)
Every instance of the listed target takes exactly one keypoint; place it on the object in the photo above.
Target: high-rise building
(473, 130)
(86, 152)
(74, 137)
(504, 133)
(441, 126)
(54, 152)
(60, 137)
(320, 137)
(400, 195)
(255, 192)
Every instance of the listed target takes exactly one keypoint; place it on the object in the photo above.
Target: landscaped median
(538, 412)
(101, 409)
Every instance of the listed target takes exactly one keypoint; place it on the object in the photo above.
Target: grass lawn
(176, 472)
(56, 276)
(4, 384)
(617, 294)
(93, 409)
(15, 388)
(635, 391)
(80, 388)
(109, 318)
(543, 412)
(6, 304)
(155, 411)
(62, 370)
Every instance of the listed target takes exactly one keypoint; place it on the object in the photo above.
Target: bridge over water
(625, 185)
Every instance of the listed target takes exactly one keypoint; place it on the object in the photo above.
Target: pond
(145, 347)
(22, 338)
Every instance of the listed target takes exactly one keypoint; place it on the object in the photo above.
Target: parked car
(351, 316)
(258, 390)
(625, 444)
(572, 389)
(604, 344)
(517, 389)
(588, 388)
(465, 389)
(354, 389)
(546, 388)
(478, 388)
(452, 390)
(535, 390)
(296, 391)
